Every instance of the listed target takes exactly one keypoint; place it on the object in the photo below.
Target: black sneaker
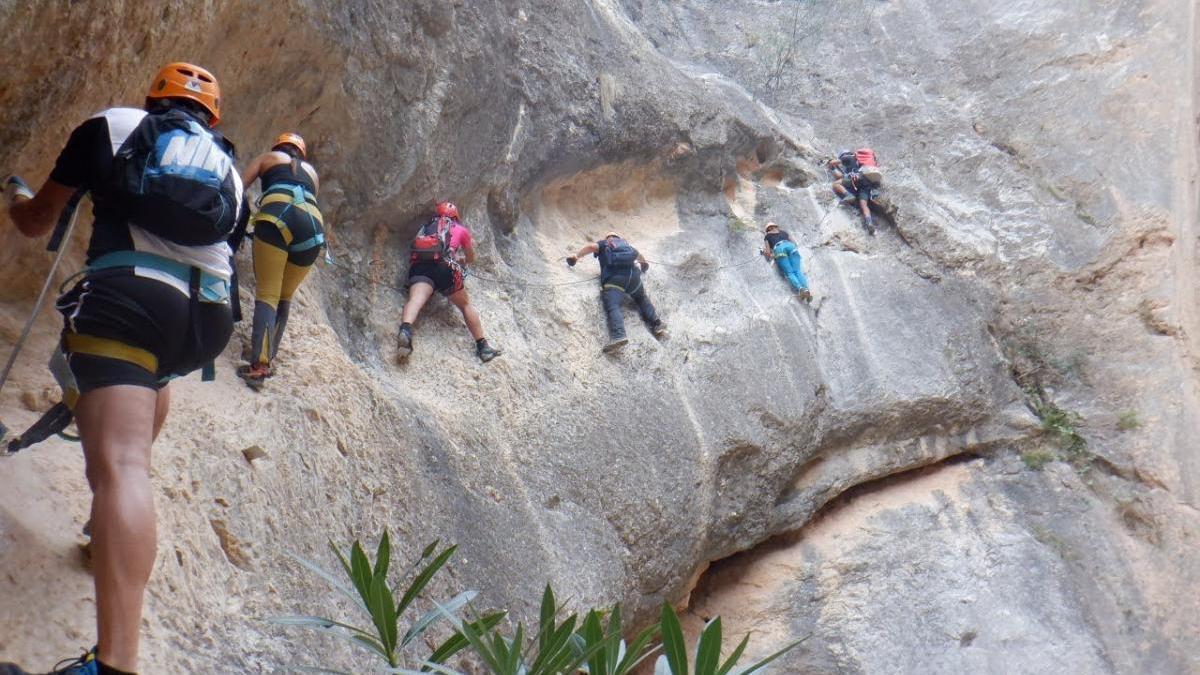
(486, 352)
(404, 342)
(615, 346)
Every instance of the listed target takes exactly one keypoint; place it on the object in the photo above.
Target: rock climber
(621, 267)
(439, 251)
(152, 305)
(856, 177)
(781, 249)
(288, 237)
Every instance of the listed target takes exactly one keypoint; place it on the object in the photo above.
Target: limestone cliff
(1042, 165)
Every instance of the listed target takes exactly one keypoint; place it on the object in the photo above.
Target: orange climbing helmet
(187, 81)
(184, 80)
(289, 138)
(447, 210)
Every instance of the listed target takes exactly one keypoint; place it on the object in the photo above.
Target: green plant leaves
(329, 578)
(383, 556)
(458, 641)
(382, 606)
(453, 605)
(609, 653)
(674, 649)
(763, 663)
(708, 648)
(373, 594)
(733, 658)
(422, 579)
(558, 647)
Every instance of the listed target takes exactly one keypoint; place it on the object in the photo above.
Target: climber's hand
(571, 260)
(644, 265)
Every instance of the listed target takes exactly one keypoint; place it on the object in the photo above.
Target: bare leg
(117, 426)
(470, 314)
(161, 407)
(418, 294)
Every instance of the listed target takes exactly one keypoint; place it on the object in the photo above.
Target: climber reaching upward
(152, 305)
(782, 250)
(288, 237)
(439, 251)
(621, 268)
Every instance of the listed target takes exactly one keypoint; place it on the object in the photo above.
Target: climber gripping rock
(288, 237)
(436, 263)
(621, 267)
(152, 305)
(782, 250)
(856, 178)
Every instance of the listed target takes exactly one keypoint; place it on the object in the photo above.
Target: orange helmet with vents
(184, 80)
(447, 210)
(289, 138)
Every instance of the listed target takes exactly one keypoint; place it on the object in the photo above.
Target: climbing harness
(294, 196)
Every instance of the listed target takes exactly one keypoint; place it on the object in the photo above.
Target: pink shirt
(460, 237)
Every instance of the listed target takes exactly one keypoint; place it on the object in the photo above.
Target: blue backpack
(618, 254)
(174, 177)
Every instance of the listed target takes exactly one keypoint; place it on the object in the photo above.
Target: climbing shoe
(404, 342)
(486, 352)
(83, 665)
(615, 346)
(870, 223)
(659, 329)
(254, 375)
(804, 294)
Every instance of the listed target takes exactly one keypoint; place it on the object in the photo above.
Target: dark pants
(613, 295)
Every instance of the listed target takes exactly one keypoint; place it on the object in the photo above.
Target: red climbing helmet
(447, 210)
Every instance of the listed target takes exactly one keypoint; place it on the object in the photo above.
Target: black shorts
(859, 187)
(122, 329)
(444, 279)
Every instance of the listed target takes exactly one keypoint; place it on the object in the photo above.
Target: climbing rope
(468, 272)
(66, 225)
(719, 267)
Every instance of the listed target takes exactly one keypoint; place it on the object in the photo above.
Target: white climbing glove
(14, 187)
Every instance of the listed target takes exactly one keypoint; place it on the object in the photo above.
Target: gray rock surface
(1042, 163)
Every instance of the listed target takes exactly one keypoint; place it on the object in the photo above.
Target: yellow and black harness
(278, 201)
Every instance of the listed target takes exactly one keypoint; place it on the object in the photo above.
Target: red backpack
(868, 166)
(432, 243)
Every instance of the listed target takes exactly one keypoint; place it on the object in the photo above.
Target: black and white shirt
(86, 161)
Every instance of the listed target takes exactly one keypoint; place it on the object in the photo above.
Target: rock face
(1038, 275)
